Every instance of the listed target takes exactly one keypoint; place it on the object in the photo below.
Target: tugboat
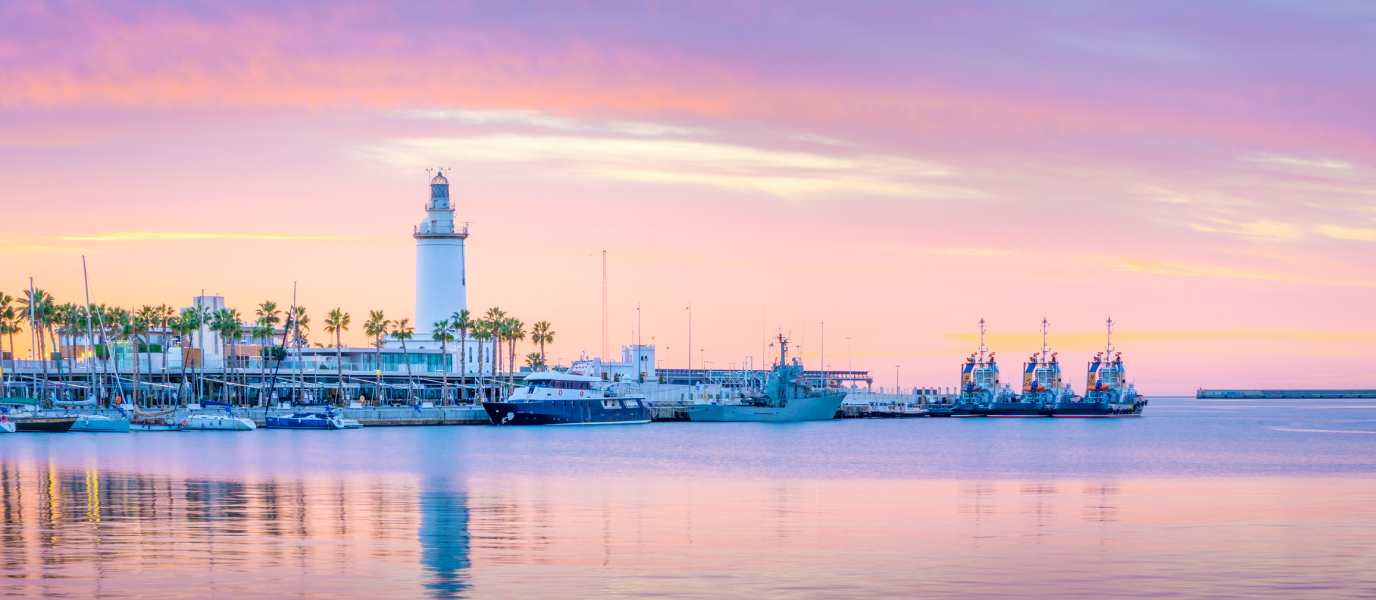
(979, 383)
(1106, 393)
(577, 397)
(1041, 387)
(786, 397)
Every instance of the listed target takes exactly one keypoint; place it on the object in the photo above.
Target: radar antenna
(1108, 344)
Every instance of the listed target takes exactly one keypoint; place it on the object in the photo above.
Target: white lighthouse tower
(441, 280)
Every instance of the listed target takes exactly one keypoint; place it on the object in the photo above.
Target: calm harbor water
(1198, 498)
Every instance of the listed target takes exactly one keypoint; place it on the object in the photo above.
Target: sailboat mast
(90, 335)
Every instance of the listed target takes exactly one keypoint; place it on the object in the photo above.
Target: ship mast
(981, 341)
(1108, 344)
(1044, 324)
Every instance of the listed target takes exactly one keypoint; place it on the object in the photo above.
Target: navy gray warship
(786, 397)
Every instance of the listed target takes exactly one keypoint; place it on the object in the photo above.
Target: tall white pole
(90, 335)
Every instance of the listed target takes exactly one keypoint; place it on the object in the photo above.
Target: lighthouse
(441, 280)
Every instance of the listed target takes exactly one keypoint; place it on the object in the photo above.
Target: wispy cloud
(142, 236)
(1297, 162)
(778, 172)
(1360, 234)
(1174, 268)
(976, 252)
(1262, 228)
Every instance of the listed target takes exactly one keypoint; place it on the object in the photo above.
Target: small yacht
(96, 423)
(218, 422)
(578, 397)
(144, 423)
(26, 419)
(1107, 393)
(305, 420)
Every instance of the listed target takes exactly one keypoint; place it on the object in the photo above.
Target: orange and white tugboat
(1107, 393)
(1041, 387)
(979, 383)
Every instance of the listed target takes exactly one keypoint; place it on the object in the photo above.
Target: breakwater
(1283, 394)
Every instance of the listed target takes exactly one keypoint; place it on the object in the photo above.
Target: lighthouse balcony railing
(442, 229)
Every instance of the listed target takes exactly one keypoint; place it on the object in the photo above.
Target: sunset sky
(1203, 173)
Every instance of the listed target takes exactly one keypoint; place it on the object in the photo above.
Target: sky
(871, 178)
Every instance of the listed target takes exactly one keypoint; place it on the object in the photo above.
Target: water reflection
(81, 532)
(443, 539)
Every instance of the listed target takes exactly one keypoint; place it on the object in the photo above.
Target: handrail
(451, 230)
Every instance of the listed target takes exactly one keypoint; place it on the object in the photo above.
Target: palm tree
(302, 330)
(165, 314)
(337, 322)
(482, 331)
(268, 318)
(6, 313)
(38, 305)
(535, 361)
(494, 318)
(515, 331)
(113, 330)
(443, 332)
(402, 332)
(147, 318)
(226, 323)
(376, 328)
(188, 323)
(540, 334)
(462, 322)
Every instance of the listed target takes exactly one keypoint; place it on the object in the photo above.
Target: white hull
(6, 426)
(100, 424)
(219, 423)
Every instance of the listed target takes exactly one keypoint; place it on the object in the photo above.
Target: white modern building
(636, 360)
